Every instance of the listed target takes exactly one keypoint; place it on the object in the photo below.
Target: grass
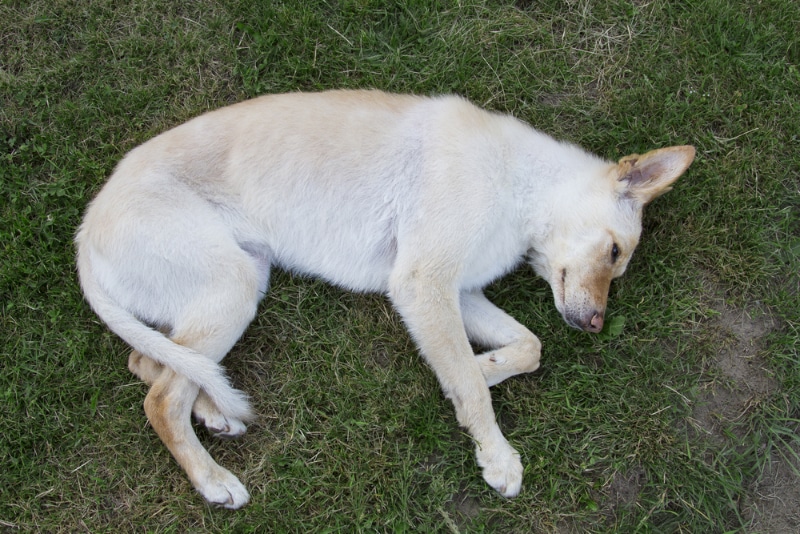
(353, 433)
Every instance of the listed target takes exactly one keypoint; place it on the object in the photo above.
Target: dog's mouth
(572, 323)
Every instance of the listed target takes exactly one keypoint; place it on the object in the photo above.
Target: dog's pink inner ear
(651, 175)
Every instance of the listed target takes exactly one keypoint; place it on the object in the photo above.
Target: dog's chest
(497, 255)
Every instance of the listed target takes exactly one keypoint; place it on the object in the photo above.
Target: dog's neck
(548, 177)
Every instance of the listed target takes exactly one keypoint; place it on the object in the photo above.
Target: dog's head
(596, 228)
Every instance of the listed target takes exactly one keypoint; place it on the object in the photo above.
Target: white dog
(427, 200)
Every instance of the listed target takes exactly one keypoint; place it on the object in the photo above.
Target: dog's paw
(206, 413)
(222, 488)
(502, 469)
(226, 428)
(521, 357)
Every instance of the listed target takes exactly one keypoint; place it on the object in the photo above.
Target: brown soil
(774, 506)
(741, 381)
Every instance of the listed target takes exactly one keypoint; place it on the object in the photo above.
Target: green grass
(353, 433)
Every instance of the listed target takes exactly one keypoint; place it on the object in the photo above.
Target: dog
(424, 199)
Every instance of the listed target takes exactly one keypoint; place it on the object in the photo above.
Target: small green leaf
(613, 327)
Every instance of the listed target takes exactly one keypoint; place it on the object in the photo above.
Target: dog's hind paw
(502, 470)
(222, 488)
(206, 413)
(229, 429)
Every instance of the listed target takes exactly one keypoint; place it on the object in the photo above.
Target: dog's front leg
(516, 349)
(430, 309)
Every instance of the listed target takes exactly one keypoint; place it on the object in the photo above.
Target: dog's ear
(647, 176)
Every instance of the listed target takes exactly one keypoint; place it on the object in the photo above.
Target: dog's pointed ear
(645, 177)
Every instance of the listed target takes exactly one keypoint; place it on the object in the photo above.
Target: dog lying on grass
(426, 200)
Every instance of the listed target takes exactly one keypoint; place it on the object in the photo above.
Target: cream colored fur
(426, 200)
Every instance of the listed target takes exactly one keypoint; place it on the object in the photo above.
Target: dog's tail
(199, 369)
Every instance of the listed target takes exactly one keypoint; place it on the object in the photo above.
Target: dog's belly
(362, 267)
(360, 253)
(342, 229)
(351, 252)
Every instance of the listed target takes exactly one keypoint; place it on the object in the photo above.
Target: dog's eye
(614, 253)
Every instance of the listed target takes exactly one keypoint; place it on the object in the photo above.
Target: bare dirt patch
(740, 377)
(741, 381)
(774, 506)
(624, 488)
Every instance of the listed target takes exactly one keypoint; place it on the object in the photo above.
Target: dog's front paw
(222, 488)
(502, 469)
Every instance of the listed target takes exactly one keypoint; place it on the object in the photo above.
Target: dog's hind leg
(515, 349)
(206, 413)
(168, 406)
(204, 410)
(252, 280)
(222, 308)
(147, 369)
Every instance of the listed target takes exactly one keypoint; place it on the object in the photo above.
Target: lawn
(681, 417)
